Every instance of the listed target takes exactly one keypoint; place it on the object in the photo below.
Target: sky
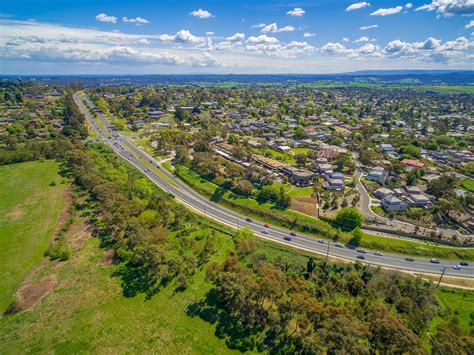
(238, 37)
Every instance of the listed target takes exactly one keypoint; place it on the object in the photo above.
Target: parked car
(288, 239)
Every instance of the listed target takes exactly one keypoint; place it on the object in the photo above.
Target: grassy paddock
(29, 207)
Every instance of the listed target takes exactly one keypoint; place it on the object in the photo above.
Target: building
(377, 176)
(283, 149)
(393, 204)
(383, 193)
(387, 148)
(334, 182)
(419, 201)
(325, 169)
(413, 162)
(299, 177)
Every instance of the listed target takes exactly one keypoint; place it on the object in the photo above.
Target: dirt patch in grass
(65, 212)
(77, 234)
(110, 258)
(16, 213)
(306, 205)
(31, 293)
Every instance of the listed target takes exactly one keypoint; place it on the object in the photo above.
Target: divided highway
(125, 148)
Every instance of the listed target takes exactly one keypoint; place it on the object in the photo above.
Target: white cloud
(181, 37)
(258, 25)
(450, 7)
(209, 33)
(361, 39)
(273, 27)
(309, 34)
(201, 13)
(137, 20)
(334, 48)
(408, 5)
(297, 11)
(357, 6)
(363, 28)
(388, 11)
(262, 39)
(345, 39)
(237, 37)
(470, 24)
(106, 18)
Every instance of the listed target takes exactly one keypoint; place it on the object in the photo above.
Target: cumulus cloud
(137, 20)
(357, 6)
(387, 11)
(237, 37)
(262, 39)
(258, 25)
(361, 39)
(345, 39)
(309, 34)
(450, 7)
(470, 24)
(334, 48)
(408, 5)
(181, 37)
(363, 28)
(106, 18)
(297, 11)
(201, 13)
(273, 27)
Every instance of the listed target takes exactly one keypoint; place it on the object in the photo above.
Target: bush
(350, 218)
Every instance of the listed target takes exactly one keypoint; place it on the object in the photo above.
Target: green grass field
(468, 184)
(29, 207)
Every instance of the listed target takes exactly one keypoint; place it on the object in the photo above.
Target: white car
(378, 253)
(457, 267)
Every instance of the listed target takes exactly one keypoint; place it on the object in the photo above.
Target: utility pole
(327, 252)
(442, 273)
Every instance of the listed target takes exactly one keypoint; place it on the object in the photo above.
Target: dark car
(339, 245)
(248, 219)
(288, 239)
(362, 257)
(293, 234)
(463, 263)
(434, 261)
(409, 259)
(320, 241)
(363, 251)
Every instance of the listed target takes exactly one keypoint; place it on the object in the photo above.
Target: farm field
(29, 206)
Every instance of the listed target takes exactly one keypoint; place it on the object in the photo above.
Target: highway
(126, 149)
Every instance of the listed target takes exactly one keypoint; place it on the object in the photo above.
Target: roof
(413, 162)
(392, 200)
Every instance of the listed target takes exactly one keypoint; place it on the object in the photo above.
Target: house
(328, 153)
(383, 193)
(334, 184)
(413, 190)
(393, 204)
(377, 176)
(283, 149)
(419, 200)
(325, 169)
(299, 177)
(386, 148)
(413, 162)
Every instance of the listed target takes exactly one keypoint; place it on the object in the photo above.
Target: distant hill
(401, 77)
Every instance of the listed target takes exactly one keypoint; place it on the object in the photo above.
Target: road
(125, 148)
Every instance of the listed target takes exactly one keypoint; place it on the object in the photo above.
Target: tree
(301, 159)
(349, 217)
(245, 242)
(411, 150)
(244, 188)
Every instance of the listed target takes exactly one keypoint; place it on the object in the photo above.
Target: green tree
(349, 217)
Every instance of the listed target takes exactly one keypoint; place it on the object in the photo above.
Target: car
(293, 234)
(457, 267)
(248, 220)
(434, 261)
(266, 225)
(320, 241)
(339, 245)
(362, 257)
(265, 231)
(463, 263)
(378, 253)
(363, 251)
(288, 239)
(409, 259)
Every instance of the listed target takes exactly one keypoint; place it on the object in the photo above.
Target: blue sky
(326, 36)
